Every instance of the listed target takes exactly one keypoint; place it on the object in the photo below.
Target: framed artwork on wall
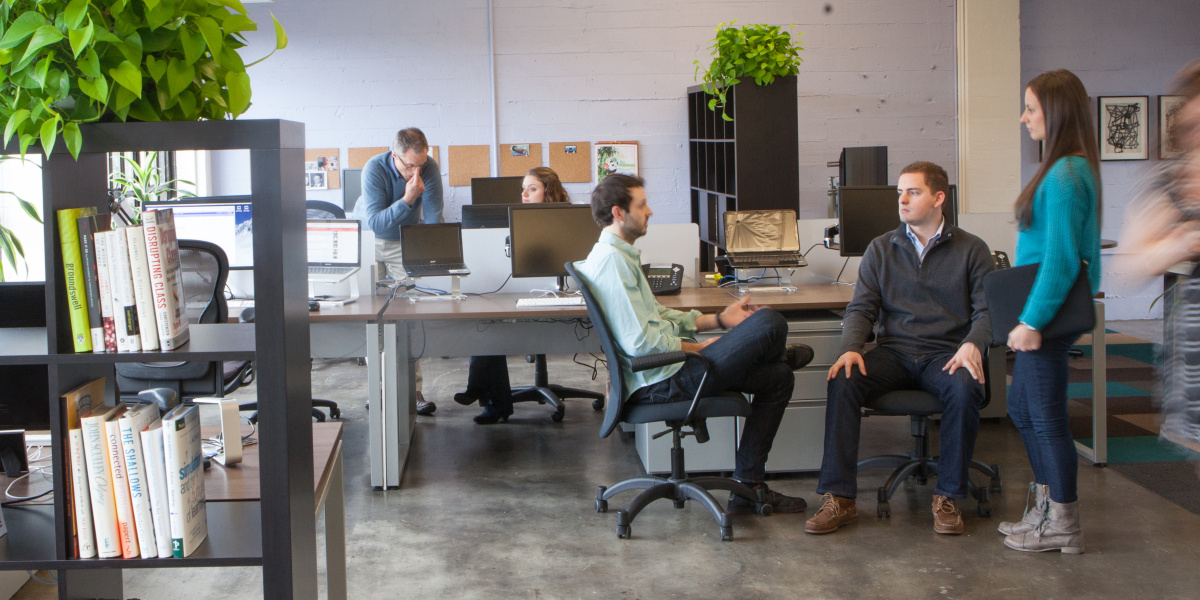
(1169, 108)
(1123, 123)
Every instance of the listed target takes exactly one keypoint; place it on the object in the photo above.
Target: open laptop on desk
(433, 250)
(334, 249)
(762, 239)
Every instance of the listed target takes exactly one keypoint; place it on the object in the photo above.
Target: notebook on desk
(433, 250)
(334, 249)
(762, 239)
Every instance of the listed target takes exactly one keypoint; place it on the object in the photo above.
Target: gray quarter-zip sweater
(921, 306)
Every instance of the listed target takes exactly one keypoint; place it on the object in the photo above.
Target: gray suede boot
(1033, 513)
(1058, 531)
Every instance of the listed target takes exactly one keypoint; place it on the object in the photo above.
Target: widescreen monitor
(545, 236)
(866, 212)
(351, 188)
(226, 221)
(496, 190)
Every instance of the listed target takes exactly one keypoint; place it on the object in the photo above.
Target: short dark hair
(935, 176)
(613, 191)
(409, 139)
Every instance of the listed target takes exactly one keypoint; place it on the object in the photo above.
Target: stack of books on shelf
(124, 286)
(136, 479)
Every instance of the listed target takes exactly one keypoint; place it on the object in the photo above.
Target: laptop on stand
(763, 239)
(434, 250)
(334, 254)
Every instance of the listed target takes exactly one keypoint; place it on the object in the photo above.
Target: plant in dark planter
(763, 52)
(67, 62)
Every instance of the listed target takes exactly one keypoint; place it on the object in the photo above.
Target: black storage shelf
(278, 341)
(750, 163)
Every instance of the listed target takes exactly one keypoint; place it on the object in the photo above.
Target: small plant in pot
(141, 184)
(763, 52)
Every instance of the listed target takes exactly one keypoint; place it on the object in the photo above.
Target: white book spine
(139, 269)
(104, 510)
(126, 529)
(135, 472)
(185, 479)
(166, 278)
(104, 279)
(129, 337)
(156, 476)
(83, 503)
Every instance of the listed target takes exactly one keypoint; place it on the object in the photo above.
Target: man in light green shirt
(753, 357)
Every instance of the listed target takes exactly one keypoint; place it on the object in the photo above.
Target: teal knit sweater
(1064, 230)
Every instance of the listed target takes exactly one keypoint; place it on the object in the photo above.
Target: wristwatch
(719, 323)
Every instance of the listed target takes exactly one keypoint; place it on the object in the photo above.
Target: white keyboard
(550, 301)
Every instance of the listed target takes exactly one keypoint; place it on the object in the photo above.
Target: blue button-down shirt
(640, 325)
(923, 248)
(380, 207)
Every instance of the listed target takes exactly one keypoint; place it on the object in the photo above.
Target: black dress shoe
(467, 398)
(424, 408)
(797, 356)
(487, 417)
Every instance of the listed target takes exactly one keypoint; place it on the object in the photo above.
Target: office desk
(493, 324)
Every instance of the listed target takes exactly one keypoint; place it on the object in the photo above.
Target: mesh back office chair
(318, 209)
(685, 412)
(919, 406)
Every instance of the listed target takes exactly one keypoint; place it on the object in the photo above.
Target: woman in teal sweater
(1058, 215)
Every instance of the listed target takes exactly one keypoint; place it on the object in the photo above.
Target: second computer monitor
(486, 216)
(226, 221)
(866, 212)
(545, 236)
(496, 190)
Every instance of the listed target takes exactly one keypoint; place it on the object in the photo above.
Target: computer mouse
(313, 305)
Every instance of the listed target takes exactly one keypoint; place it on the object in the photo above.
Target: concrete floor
(506, 511)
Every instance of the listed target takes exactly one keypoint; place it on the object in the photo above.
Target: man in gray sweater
(923, 285)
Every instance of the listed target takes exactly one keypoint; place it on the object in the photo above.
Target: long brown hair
(1069, 130)
(554, 191)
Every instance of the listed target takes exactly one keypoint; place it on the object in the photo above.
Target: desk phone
(664, 279)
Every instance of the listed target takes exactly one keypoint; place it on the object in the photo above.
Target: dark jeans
(1037, 403)
(748, 358)
(889, 370)
(487, 378)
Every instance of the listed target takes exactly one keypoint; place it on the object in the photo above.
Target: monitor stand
(455, 293)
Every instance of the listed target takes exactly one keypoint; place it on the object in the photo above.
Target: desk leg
(376, 409)
(1098, 453)
(400, 396)
(335, 530)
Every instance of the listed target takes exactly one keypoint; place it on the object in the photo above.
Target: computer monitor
(543, 237)
(496, 190)
(486, 216)
(351, 188)
(226, 221)
(869, 211)
(866, 165)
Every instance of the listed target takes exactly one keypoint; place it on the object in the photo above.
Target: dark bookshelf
(750, 163)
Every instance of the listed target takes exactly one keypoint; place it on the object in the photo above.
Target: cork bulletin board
(467, 162)
(572, 161)
(517, 159)
(325, 159)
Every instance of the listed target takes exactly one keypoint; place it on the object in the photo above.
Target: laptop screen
(334, 242)
(435, 244)
(761, 231)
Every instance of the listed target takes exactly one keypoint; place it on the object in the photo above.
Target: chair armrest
(654, 361)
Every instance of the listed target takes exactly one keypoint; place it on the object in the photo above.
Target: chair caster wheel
(680, 503)
(764, 509)
(884, 510)
(597, 405)
(985, 509)
(727, 533)
(557, 416)
(601, 506)
(623, 532)
(335, 413)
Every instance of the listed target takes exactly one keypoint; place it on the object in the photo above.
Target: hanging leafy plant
(66, 62)
(763, 52)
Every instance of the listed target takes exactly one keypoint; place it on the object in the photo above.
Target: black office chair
(686, 412)
(319, 209)
(919, 406)
(544, 392)
(247, 316)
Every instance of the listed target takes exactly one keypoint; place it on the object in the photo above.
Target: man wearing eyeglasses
(402, 186)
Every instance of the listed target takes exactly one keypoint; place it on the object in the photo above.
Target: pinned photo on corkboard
(316, 180)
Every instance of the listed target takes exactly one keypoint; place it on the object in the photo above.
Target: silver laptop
(762, 239)
(433, 250)
(334, 249)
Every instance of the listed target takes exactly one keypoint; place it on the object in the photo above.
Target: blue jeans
(1037, 404)
(889, 370)
(748, 358)
(487, 378)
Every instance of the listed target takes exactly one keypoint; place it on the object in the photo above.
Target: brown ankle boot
(947, 519)
(1058, 531)
(835, 512)
(1033, 514)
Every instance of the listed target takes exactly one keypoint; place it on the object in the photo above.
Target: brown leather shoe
(835, 512)
(947, 519)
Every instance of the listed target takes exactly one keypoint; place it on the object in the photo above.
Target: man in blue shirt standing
(398, 187)
(751, 357)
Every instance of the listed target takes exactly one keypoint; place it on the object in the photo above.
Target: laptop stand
(455, 293)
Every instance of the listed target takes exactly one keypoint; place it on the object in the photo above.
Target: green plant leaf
(151, 4)
(40, 71)
(211, 32)
(281, 38)
(74, 13)
(104, 35)
(96, 89)
(239, 92)
(58, 84)
(231, 60)
(131, 48)
(159, 16)
(26, 140)
(155, 68)
(72, 138)
(80, 38)
(143, 111)
(128, 76)
(179, 76)
(193, 45)
(48, 133)
(44, 36)
(89, 63)
(121, 99)
(237, 22)
(187, 103)
(22, 28)
(14, 122)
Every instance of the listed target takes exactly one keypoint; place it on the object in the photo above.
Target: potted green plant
(143, 183)
(10, 246)
(763, 52)
(67, 62)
